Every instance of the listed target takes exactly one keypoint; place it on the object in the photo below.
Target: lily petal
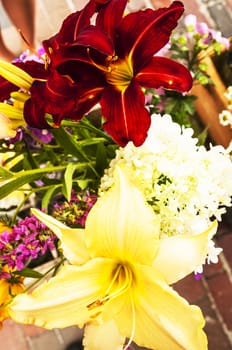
(171, 323)
(110, 16)
(34, 107)
(127, 119)
(70, 29)
(121, 224)
(6, 88)
(72, 240)
(180, 255)
(95, 38)
(162, 71)
(96, 337)
(143, 33)
(66, 299)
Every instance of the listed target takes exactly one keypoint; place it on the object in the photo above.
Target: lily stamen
(106, 69)
(130, 340)
(31, 48)
(127, 282)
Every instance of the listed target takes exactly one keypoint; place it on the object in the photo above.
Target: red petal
(61, 94)
(34, 69)
(127, 119)
(167, 73)
(85, 102)
(110, 16)
(6, 88)
(61, 98)
(143, 33)
(71, 27)
(34, 108)
(95, 38)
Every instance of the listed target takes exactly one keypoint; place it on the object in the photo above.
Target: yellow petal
(4, 291)
(70, 298)
(7, 128)
(72, 240)
(15, 75)
(180, 255)
(103, 337)
(121, 224)
(163, 320)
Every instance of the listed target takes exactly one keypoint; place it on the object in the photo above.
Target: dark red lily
(137, 38)
(108, 63)
(122, 49)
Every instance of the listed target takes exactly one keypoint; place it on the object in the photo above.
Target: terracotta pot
(210, 102)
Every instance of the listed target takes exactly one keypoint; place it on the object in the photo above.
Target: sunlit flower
(116, 280)
(186, 184)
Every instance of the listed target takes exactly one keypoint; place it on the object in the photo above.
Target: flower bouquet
(97, 179)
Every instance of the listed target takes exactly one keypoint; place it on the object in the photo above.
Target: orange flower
(9, 287)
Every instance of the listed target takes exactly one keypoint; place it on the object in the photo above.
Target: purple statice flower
(43, 135)
(27, 240)
(27, 55)
(75, 212)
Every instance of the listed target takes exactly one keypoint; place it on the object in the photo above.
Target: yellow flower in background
(9, 287)
(116, 281)
(9, 125)
(4, 227)
(11, 115)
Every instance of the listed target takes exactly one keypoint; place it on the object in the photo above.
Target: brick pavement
(213, 293)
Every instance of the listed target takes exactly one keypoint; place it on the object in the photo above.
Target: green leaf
(27, 272)
(48, 194)
(68, 176)
(83, 183)
(5, 174)
(67, 142)
(101, 159)
(25, 177)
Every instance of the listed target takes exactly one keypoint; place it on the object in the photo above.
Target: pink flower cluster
(27, 240)
(202, 28)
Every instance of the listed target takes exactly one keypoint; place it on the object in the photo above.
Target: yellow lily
(116, 282)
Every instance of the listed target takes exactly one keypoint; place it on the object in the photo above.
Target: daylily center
(121, 282)
(120, 73)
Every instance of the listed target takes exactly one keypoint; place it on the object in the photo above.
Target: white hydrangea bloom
(186, 184)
